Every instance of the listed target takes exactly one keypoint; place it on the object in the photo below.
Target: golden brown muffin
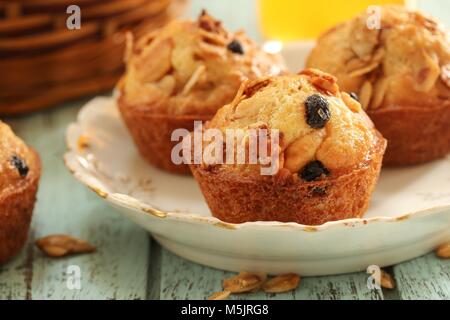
(182, 73)
(19, 176)
(401, 73)
(329, 157)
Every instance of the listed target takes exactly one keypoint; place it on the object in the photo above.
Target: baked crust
(401, 73)
(237, 199)
(16, 208)
(409, 145)
(152, 132)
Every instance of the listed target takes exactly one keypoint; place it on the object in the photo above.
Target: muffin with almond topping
(182, 73)
(401, 72)
(19, 176)
(328, 157)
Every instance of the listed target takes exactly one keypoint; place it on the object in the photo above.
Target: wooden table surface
(129, 264)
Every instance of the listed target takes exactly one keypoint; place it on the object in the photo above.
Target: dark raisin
(317, 111)
(354, 96)
(236, 47)
(314, 170)
(20, 165)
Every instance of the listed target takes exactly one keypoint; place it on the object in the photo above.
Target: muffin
(327, 162)
(401, 73)
(182, 73)
(20, 171)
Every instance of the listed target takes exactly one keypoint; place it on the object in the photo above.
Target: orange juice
(306, 19)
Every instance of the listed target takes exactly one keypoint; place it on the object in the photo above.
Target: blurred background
(43, 64)
(290, 20)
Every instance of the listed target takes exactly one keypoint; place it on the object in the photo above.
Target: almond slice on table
(244, 282)
(443, 251)
(282, 283)
(387, 281)
(222, 295)
(60, 245)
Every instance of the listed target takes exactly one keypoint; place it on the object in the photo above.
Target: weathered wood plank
(119, 268)
(424, 278)
(15, 276)
(181, 279)
(154, 272)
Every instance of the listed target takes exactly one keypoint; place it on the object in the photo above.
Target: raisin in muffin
(328, 160)
(19, 177)
(182, 73)
(401, 73)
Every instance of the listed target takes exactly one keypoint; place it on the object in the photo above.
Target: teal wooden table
(128, 263)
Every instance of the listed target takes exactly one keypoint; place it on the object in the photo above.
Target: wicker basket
(42, 63)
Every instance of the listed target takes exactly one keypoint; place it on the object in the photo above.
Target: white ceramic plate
(408, 217)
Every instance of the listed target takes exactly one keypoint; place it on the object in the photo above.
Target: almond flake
(154, 61)
(364, 70)
(365, 94)
(222, 295)
(426, 71)
(443, 251)
(244, 282)
(194, 78)
(379, 89)
(387, 281)
(282, 283)
(322, 81)
(254, 86)
(351, 103)
(240, 94)
(445, 75)
(212, 38)
(60, 245)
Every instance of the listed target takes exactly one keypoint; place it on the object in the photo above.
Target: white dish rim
(123, 200)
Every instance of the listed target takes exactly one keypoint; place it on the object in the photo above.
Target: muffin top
(192, 67)
(406, 62)
(321, 129)
(15, 159)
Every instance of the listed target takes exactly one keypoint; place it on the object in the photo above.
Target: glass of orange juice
(288, 20)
